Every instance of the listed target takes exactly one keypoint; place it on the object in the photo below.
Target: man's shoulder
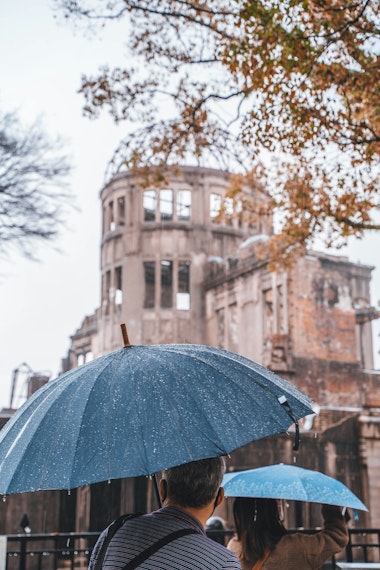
(140, 533)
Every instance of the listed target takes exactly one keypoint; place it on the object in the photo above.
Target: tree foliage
(33, 198)
(240, 80)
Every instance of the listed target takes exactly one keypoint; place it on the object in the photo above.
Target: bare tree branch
(33, 195)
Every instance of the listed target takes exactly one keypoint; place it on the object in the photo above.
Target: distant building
(156, 250)
(179, 264)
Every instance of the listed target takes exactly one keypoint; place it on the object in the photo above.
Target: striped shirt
(190, 552)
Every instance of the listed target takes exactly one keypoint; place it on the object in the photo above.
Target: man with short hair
(173, 537)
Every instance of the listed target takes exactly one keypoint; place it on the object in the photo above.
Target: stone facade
(301, 323)
(162, 238)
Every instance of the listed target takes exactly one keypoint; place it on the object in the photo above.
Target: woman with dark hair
(261, 540)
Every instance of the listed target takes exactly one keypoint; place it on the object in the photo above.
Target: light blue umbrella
(292, 483)
(139, 410)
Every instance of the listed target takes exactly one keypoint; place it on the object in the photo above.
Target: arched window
(183, 205)
(215, 206)
(149, 204)
(166, 205)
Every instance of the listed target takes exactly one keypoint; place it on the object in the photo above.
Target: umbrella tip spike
(125, 335)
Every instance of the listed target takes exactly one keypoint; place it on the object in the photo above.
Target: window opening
(84, 357)
(228, 210)
(108, 284)
(121, 211)
(105, 228)
(215, 206)
(111, 217)
(149, 204)
(239, 212)
(89, 356)
(166, 205)
(183, 205)
(220, 327)
(107, 291)
(118, 286)
(183, 294)
(166, 284)
(149, 279)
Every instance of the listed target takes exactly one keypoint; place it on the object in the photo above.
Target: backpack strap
(111, 530)
(260, 562)
(139, 559)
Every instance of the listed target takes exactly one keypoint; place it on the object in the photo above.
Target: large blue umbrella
(290, 482)
(139, 410)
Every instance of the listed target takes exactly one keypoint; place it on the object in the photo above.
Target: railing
(69, 551)
(366, 541)
(50, 551)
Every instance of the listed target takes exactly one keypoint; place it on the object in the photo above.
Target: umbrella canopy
(292, 483)
(139, 410)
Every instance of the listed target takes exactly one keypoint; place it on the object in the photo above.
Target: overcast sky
(42, 304)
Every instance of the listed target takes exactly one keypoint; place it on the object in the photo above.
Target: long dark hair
(258, 526)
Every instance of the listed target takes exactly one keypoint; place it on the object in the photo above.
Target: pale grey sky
(41, 304)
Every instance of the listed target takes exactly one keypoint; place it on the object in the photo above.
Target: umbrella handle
(296, 443)
(125, 335)
(285, 404)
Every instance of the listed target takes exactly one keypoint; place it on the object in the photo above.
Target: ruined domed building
(179, 264)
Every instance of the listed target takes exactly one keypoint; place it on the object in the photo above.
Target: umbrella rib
(109, 362)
